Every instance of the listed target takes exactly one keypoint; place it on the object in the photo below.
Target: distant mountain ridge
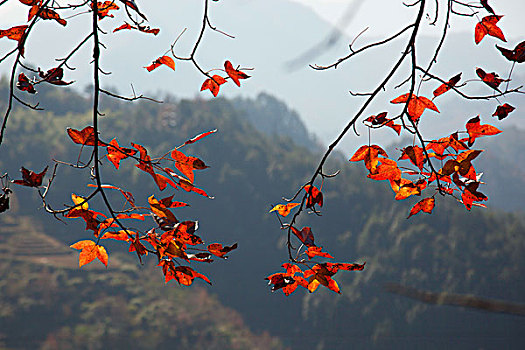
(272, 117)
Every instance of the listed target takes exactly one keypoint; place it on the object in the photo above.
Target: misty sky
(389, 15)
(269, 35)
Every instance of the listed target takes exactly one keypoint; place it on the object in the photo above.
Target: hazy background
(270, 37)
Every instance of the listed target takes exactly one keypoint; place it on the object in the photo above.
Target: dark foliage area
(451, 250)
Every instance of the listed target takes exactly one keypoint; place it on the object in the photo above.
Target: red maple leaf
(187, 164)
(447, 86)
(47, 13)
(416, 105)
(415, 154)
(317, 251)
(306, 235)
(488, 26)
(287, 281)
(234, 73)
(218, 250)
(84, 137)
(475, 129)
(124, 26)
(314, 196)
(284, 209)
(184, 275)
(426, 205)
(14, 33)
(117, 153)
(516, 55)
(166, 60)
(104, 8)
(30, 178)
(471, 195)
(213, 84)
(370, 154)
(54, 76)
(381, 119)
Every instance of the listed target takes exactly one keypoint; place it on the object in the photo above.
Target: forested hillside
(452, 250)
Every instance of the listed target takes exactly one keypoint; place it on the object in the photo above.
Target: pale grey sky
(389, 15)
(270, 33)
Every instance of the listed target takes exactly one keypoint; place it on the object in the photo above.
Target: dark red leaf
(516, 55)
(30, 178)
(24, 84)
(503, 111)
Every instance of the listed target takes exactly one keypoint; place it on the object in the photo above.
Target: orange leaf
(89, 252)
(415, 154)
(447, 86)
(145, 165)
(80, 202)
(367, 151)
(387, 170)
(213, 84)
(188, 186)
(104, 8)
(475, 129)
(426, 205)
(185, 275)
(50, 14)
(416, 105)
(14, 33)
(117, 153)
(370, 155)
(317, 251)
(218, 250)
(166, 60)
(134, 216)
(119, 236)
(187, 164)
(284, 209)
(321, 274)
(471, 195)
(234, 74)
(30, 2)
(488, 26)
(124, 26)
(160, 210)
(168, 202)
(407, 190)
